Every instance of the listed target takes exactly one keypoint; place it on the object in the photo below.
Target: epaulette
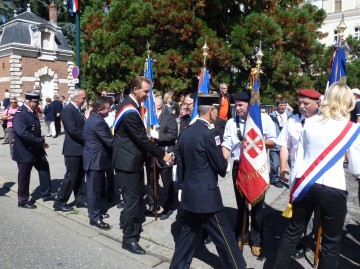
(210, 126)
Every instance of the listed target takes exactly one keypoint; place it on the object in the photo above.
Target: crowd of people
(109, 142)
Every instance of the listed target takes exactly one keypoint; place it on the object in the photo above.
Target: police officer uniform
(200, 161)
(29, 152)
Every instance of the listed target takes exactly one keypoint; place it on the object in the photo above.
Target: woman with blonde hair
(168, 106)
(318, 177)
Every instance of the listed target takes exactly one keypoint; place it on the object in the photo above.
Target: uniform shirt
(316, 136)
(355, 113)
(231, 140)
(290, 135)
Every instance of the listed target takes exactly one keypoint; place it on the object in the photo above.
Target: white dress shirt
(231, 140)
(317, 135)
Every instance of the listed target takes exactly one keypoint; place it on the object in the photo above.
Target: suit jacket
(132, 143)
(168, 129)
(73, 122)
(58, 106)
(49, 112)
(199, 163)
(98, 143)
(28, 145)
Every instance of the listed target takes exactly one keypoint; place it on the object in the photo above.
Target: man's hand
(283, 173)
(154, 134)
(168, 158)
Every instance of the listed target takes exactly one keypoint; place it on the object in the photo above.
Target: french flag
(74, 5)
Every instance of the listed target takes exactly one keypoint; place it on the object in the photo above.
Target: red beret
(310, 93)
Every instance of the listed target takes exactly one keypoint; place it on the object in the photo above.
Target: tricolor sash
(121, 114)
(334, 151)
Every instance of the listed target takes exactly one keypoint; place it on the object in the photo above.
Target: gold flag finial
(148, 49)
(205, 48)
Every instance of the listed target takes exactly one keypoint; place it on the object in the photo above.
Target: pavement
(158, 237)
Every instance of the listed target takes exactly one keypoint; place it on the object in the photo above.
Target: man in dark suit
(165, 134)
(97, 158)
(199, 163)
(73, 122)
(131, 147)
(58, 107)
(29, 151)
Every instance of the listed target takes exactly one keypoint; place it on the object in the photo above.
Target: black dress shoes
(134, 248)
(27, 206)
(105, 216)
(300, 253)
(63, 208)
(165, 214)
(100, 224)
(50, 197)
(82, 204)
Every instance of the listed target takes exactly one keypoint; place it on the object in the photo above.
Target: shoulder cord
(237, 119)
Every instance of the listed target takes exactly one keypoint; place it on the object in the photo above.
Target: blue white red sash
(121, 114)
(324, 161)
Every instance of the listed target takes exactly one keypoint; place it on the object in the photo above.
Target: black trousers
(58, 125)
(221, 233)
(220, 126)
(168, 184)
(74, 180)
(256, 214)
(332, 204)
(133, 189)
(42, 166)
(94, 182)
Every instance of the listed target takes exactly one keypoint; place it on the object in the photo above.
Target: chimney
(53, 13)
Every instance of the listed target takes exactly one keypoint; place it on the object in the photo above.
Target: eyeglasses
(188, 104)
(13, 102)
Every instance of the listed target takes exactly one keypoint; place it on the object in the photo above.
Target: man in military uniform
(199, 163)
(29, 151)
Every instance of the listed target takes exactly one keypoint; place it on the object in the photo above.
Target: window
(357, 32)
(336, 36)
(337, 5)
(45, 40)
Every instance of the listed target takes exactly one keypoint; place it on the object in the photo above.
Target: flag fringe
(288, 211)
(257, 199)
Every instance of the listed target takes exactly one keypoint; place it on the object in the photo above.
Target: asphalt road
(34, 239)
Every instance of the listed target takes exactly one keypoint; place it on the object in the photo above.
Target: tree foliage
(115, 34)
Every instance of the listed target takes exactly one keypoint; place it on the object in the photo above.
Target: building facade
(334, 10)
(34, 55)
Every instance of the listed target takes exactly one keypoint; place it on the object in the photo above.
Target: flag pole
(77, 39)
(259, 54)
(150, 112)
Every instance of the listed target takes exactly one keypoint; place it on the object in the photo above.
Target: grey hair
(203, 109)
(75, 94)
(159, 101)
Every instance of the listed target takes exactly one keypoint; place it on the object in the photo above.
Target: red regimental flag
(253, 173)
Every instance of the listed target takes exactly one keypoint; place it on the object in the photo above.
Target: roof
(18, 30)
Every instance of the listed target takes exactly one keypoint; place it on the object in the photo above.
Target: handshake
(169, 158)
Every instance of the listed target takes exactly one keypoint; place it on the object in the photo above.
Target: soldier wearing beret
(199, 163)
(288, 139)
(29, 151)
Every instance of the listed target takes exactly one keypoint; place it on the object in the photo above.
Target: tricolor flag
(203, 87)
(253, 173)
(74, 5)
(150, 117)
